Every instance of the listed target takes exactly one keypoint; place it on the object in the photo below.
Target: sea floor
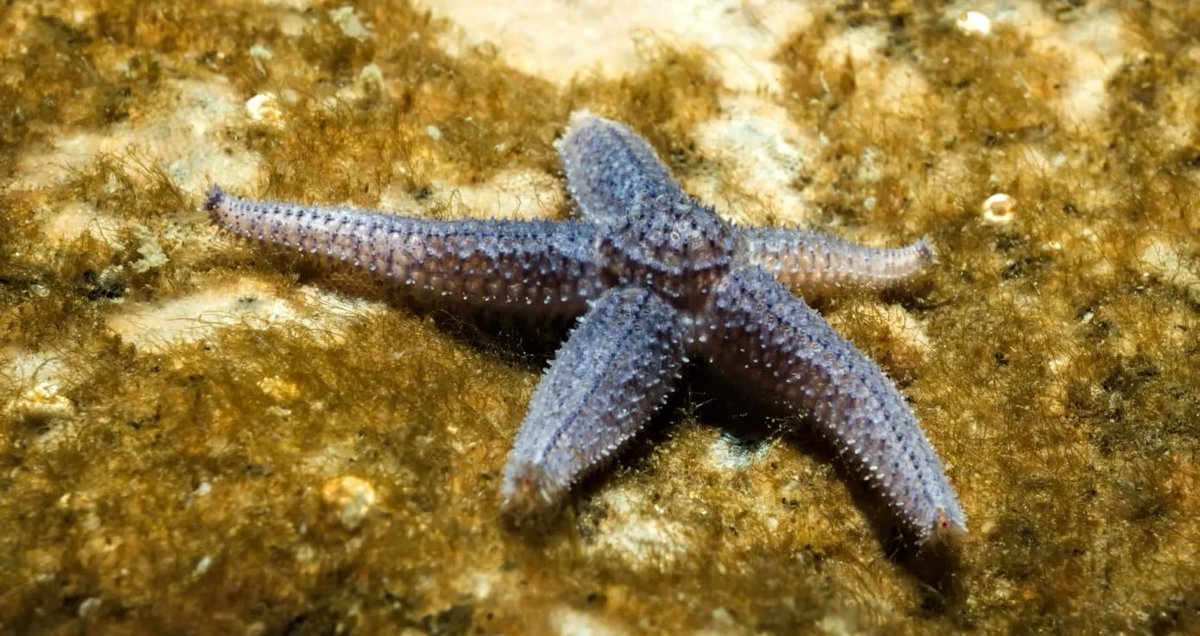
(199, 435)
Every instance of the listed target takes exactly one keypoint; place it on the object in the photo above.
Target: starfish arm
(818, 264)
(609, 167)
(616, 368)
(516, 263)
(771, 341)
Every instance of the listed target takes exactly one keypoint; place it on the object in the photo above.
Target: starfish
(657, 277)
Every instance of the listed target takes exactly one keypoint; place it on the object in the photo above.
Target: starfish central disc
(670, 245)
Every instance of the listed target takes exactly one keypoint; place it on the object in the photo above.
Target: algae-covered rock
(197, 434)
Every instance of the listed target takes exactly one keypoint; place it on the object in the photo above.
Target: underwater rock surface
(198, 434)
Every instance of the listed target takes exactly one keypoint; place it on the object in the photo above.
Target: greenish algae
(198, 482)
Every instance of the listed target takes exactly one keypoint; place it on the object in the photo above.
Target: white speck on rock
(261, 53)
(999, 208)
(346, 19)
(869, 168)
(279, 389)
(569, 621)
(152, 253)
(89, 606)
(349, 498)
(202, 566)
(370, 79)
(726, 453)
(43, 401)
(44, 375)
(835, 626)
(264, 107)
(723, 617)
(974, 23)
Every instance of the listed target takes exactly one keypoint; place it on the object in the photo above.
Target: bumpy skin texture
(616, 368)
(609, 167)
(815, 264)
(774, 344)
(495, 263)
(660, 276)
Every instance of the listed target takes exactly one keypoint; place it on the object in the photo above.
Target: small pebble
(264, 107)
(974, 23)
(999, 208)
(350, 499)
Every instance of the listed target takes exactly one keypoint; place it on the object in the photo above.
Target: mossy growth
(1063, 332)
(195, 432)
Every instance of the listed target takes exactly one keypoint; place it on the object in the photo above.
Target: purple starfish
(657, 276)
